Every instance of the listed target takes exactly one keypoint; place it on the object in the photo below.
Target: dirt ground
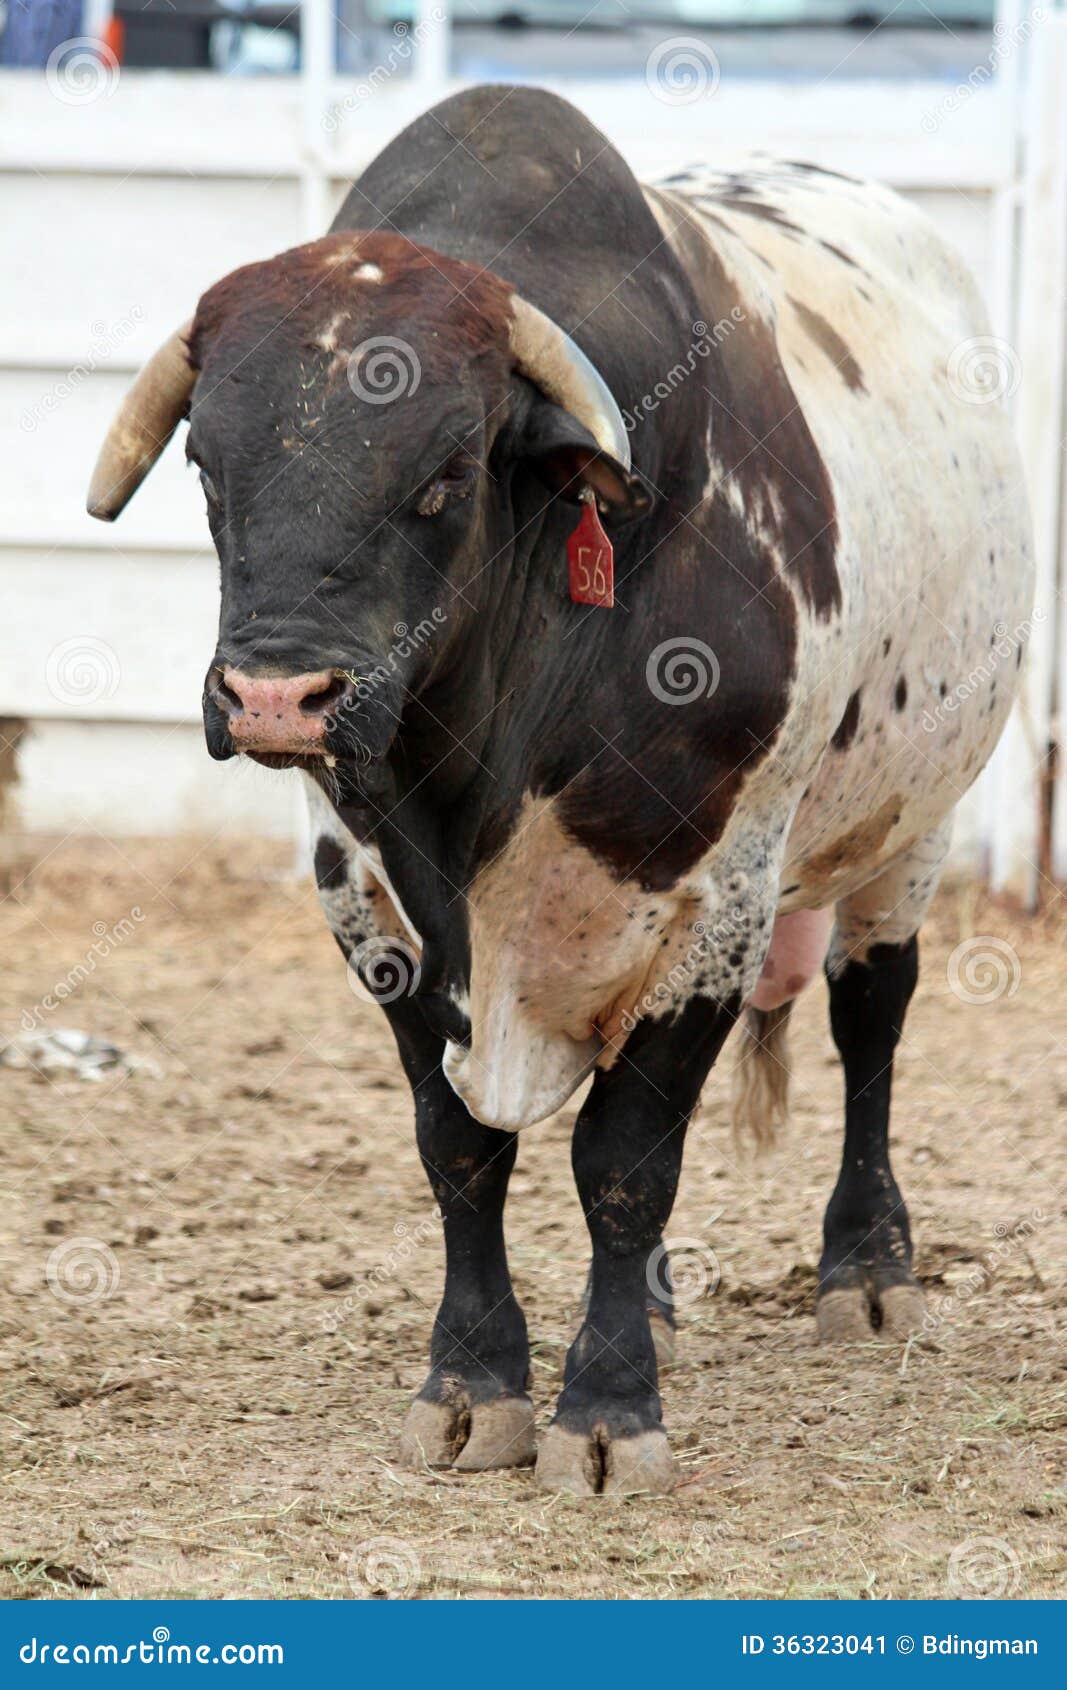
(218, 1274)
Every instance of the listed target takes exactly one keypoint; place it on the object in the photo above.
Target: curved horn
(146, 419)
(553, 362)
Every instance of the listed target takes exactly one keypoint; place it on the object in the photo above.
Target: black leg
(473, 1411)
(608, 1434)
(865, 1277)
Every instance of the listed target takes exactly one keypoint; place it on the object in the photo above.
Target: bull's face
(358, 409)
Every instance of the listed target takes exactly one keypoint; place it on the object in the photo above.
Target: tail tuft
(761, 1077)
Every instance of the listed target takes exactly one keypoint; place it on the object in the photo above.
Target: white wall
(115, 216)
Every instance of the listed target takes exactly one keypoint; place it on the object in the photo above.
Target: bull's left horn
(146, 419)
(549, 358)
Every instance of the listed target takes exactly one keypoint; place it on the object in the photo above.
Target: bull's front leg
(607, 1435)
(473, 1411)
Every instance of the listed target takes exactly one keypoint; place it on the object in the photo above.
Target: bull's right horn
(146, 419)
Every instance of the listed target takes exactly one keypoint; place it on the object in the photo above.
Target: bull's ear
(567, 459)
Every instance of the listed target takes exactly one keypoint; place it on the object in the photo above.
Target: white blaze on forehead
(328, 339)
(368, 272)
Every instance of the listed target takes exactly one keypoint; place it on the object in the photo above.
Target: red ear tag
(590, 558)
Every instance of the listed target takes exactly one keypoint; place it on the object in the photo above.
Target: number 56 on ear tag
(590, 558)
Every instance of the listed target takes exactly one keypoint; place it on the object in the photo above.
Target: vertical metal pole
(1004, 311)
(1041, 347)
(96, 15)
(317, 27)
(433, 45)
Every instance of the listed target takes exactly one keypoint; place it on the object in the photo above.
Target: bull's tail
(761, 1076)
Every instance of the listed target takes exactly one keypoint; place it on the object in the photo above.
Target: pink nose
(280, 713)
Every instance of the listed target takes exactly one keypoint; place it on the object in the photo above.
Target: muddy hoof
(855, 1314)
(595, 1464)
(471, 1437)
(903, 1311)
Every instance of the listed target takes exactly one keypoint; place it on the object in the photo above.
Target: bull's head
(363, 412)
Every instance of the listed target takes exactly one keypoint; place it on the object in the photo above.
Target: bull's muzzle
(286, 714)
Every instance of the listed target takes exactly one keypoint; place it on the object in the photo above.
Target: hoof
(595, 1464)
(844, 1317)
(469, 1437)
(903, 1311)
(855, 1315)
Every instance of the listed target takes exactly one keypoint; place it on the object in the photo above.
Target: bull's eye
(210, 490)
(452, 483)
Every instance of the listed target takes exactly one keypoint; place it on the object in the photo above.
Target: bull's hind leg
(865, 1276)
(607, 1435)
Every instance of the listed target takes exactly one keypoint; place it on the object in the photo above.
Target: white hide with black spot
(361, 904)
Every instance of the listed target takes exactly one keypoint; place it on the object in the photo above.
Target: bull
(597, 551)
